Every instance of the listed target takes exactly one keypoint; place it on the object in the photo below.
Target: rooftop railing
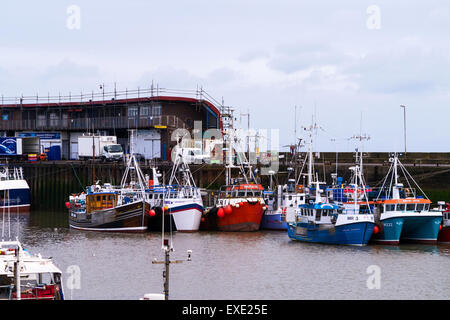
(107, 97)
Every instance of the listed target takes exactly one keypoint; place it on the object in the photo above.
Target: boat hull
(444, 235)
(273, 221)
(246, 217)
(390, 230)
(19, 200)
(187, 216)
(421, 228)
(131, 217)
(357, 234)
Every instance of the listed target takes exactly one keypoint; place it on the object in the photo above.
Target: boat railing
(15, 173)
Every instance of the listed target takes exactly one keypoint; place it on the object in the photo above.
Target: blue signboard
(8, 146)
(42, 135)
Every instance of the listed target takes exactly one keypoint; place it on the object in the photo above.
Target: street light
(404, 122)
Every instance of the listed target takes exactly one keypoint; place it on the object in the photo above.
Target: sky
(350, 64)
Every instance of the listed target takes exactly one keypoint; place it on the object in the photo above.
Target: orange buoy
(376, 230)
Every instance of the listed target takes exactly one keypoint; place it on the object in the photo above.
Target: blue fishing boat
(402, 215)
(323, 222)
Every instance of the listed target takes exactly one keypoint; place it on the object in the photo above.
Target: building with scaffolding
(153, 113)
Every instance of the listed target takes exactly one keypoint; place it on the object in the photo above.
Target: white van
(191, 155)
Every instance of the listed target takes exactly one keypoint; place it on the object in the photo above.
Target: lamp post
(404, 123)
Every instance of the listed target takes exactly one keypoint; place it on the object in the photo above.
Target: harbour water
(250, 266)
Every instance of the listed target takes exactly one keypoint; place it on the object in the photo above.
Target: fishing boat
(444, 231)
(281, 205)
(321, 220)
(283, 200)
(122, 209)
(354, 195)
(401, 214)
(14, 190)
(239, 205)
(105, 208)
(183, 199)
(24, 276)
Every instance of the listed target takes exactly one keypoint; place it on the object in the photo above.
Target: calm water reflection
(259, 265)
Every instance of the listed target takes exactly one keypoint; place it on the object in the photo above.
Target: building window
(54, 119)
(157, 110)
(41, 120)
(145, 111)
(132, 112)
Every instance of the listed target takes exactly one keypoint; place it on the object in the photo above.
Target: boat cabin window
(290, 197)
(242, 194)
(318, 212)
(410, 207)
(419, 207)
(390, 207)
(324, 213)
(401, 207)
(426, 207)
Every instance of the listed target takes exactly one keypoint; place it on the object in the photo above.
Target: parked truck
(103, 148)
(19, 147)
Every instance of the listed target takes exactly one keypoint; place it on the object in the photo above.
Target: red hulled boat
(444, 233)
(240, 207)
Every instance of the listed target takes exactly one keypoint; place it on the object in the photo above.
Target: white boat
(182, 197)
(14, 190)
(24, 276)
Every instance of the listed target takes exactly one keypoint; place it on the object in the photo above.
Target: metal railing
(101, 96)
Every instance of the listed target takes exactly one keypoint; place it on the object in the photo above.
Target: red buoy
(440, 227)
(67, 205)
(228, 209)
(376, 230)
(152, 213)
(220, 213)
